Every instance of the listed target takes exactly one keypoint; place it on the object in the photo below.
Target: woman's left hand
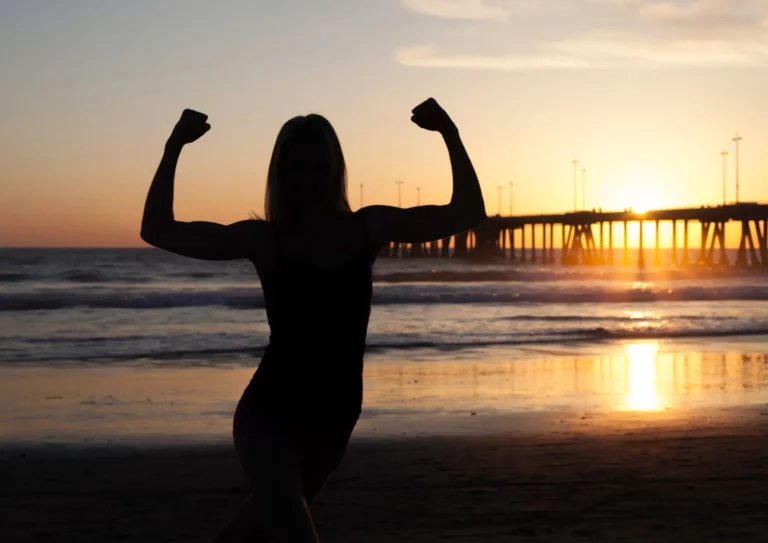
(191, 126)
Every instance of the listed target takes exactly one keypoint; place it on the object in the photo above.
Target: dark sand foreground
(645, 483)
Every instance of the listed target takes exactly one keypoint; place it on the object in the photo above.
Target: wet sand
(626, 442)
(419, 392)
(701, 478)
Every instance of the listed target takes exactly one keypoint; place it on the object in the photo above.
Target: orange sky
(646, 94)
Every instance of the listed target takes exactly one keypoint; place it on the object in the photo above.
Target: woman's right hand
(191, 127)
(430, 116)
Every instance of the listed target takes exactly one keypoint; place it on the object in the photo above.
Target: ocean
(106, 346)
(103, 306)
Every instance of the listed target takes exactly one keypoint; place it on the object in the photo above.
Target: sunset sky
(646, 94)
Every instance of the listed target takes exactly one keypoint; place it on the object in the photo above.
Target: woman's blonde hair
(307, 141)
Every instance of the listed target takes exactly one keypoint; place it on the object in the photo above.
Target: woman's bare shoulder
(258, 236)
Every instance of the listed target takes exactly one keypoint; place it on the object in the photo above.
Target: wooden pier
(583, 238)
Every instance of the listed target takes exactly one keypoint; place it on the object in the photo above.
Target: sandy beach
(701, 479)
(637, 441)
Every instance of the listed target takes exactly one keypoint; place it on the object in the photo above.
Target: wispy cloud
(428, 56)
(602, 34)
(486, 10)
(706, 12)
(588, 54)
(478, 10)
(638, 52)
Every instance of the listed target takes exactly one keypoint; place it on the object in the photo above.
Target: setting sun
(642, 197)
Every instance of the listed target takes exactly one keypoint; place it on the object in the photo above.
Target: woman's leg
(276, 510)
(273, 471)
(247, 526)
(322, 449)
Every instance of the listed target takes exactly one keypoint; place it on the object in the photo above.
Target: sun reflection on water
(641, 376)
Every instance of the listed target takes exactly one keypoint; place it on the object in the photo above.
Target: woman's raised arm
(201, 240)
(432, 222)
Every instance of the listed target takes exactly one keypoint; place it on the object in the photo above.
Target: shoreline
(422, 392)
(621, 441)
(756, 341)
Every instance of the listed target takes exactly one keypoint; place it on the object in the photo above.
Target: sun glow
(641, 375)
(641, 197)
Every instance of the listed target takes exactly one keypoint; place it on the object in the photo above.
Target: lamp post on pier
(724, 154)
(736, 140)
(399, 193)
(575, 184)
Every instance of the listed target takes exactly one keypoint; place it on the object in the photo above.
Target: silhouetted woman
(314, 258)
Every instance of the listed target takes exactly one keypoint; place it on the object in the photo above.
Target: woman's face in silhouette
(305, 172)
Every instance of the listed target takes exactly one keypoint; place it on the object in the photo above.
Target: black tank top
(318, 319)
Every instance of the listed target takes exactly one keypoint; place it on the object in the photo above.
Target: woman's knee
(272, 469)
(270, 461)
(277, 493)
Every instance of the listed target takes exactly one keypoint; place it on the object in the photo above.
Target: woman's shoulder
(253, 230)
(256, 236)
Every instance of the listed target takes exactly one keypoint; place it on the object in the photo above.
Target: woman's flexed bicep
(199, 239)
(417, 224)
(210, 241)
(432, 222)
